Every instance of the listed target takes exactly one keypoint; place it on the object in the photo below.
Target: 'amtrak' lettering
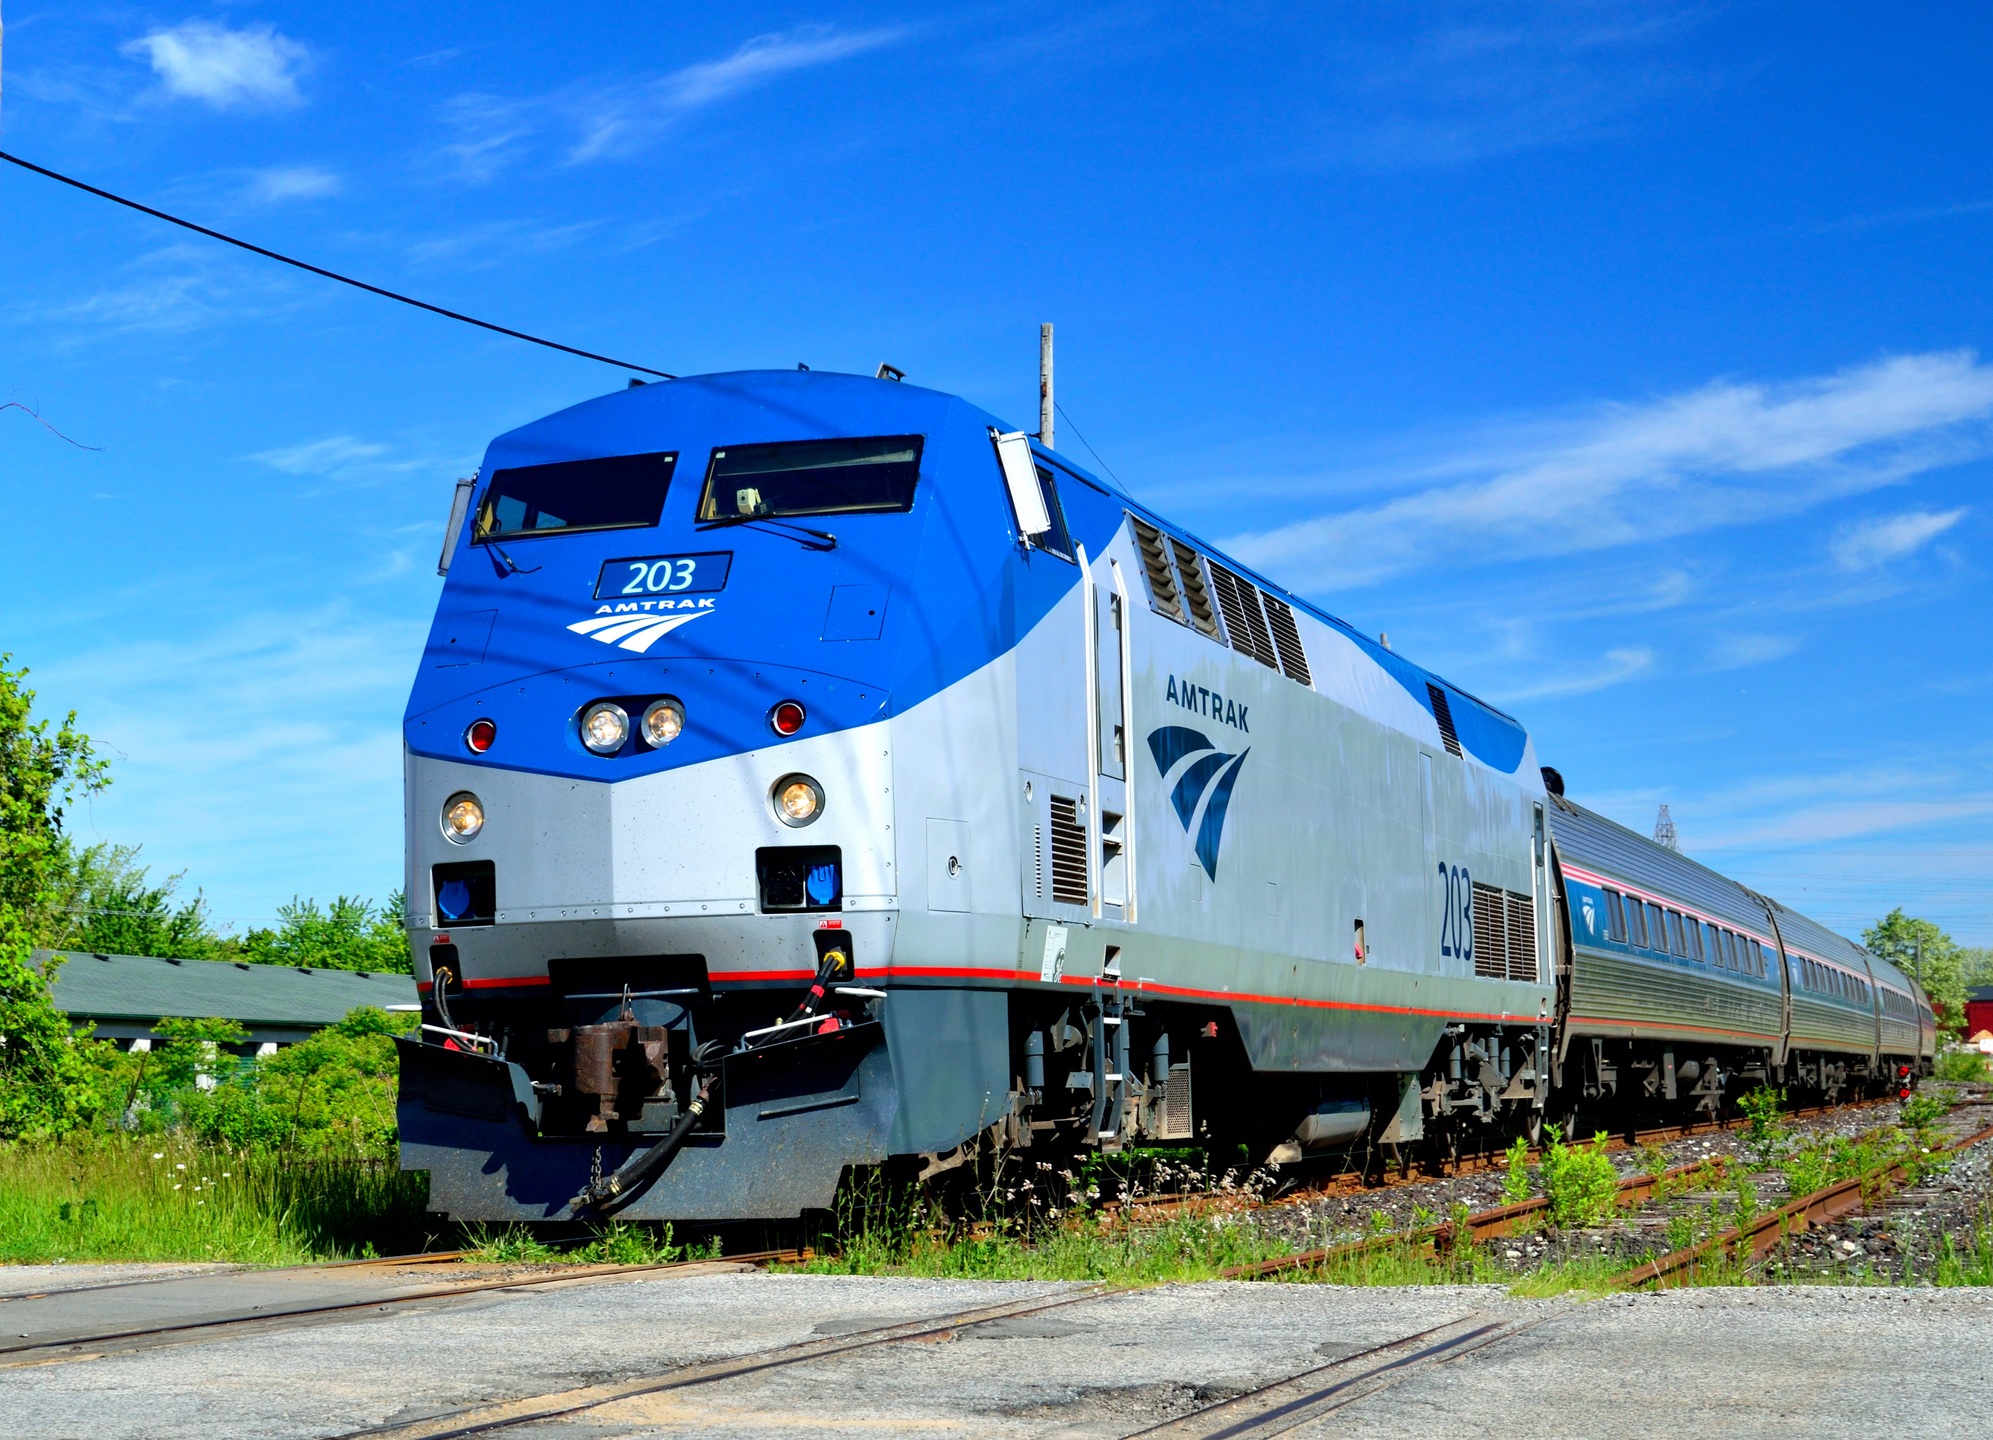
(632, 607)
(1208, 703)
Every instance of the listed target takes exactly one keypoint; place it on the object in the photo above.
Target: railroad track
(30, 1350)
(1264, 1410)
(1752, 1241)
(1354, 1182)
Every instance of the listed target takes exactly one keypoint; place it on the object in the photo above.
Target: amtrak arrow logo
(633, 632)
(1202, 787)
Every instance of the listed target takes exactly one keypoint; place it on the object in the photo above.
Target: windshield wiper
(512, 567)
(829, 541)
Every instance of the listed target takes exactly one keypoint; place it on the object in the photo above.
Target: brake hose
(610, 1193)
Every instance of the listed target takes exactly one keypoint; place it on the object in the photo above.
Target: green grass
(616, 1243)
(1187, 1248)
(144, 1198)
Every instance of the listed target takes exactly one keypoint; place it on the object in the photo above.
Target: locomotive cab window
(1057, 540)
(617, 492)
(811, 477)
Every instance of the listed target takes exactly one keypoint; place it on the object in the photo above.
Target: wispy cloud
(601, 121)
(1724, 454)
(1459, 91)
(1877, 541)
(292, 182)
(618, 122)
(1615, 667)
(321, 457)
(224, 68)
(175, 288)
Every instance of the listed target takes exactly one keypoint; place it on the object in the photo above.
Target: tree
(110, 905)
(45, 1084)
(350, 934)
(1921, 950)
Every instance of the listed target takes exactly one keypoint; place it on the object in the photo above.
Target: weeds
(1963, 1066)
(1970, 1263)
(1515, 1185)
(619, 1242)
(137, 1198)
(1768, 1135)
(1578, 1180)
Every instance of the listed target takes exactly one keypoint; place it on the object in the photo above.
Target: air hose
(607, 1194)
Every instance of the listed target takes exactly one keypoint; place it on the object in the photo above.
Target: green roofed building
(124, 996)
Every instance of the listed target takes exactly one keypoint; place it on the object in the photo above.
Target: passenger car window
(1636, 915)
(811, 477)
(1657, 930)
(616, 492)
(1615, 917)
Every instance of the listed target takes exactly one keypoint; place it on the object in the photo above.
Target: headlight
(463, 817)
(604, 727)
(663, 719)
(798, 799)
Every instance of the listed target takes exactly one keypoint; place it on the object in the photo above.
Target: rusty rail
(1633, 1192)
(1356, 1181)
(1821, 1207)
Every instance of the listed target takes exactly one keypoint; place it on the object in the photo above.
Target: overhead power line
(322, 271)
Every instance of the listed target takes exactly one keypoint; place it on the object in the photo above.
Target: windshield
(811, 477)
(614, 493)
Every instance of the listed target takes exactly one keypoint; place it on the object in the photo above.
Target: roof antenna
(889, 372)
(1045, 385)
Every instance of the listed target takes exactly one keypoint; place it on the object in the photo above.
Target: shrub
(1578, 1180)
(1515, 1186)
(1965, 1066)
(1767, 1136)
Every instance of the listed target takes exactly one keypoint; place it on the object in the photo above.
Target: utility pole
(1664, 830)
(1045, 385)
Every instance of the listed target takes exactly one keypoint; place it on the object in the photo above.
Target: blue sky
(1632, 365)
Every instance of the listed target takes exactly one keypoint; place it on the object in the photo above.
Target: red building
(1978, 1010)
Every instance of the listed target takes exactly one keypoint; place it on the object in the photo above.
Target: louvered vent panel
(1156, 565)
(1522, 938)
(1244, 620)
(1176, 1117)
(1038, 860)
(1068, 852)
(1287, 640)
(1443, 712)
(1491, 934)
(1196, 592)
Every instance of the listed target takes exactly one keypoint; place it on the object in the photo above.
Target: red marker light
(786, 718)
(479, 736)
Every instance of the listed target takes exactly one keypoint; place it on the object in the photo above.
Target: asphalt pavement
(1800, 1361)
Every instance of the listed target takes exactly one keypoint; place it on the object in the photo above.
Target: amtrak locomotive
(808, 772)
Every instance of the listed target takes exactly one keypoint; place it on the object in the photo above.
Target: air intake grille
(1443, 712)
(1491, 934)
(1068, 852)
(1196, 594)
(1504, 935)
(1287, 640)
(1243, 620)
(1156, 565)
(1522, 938)
(1038, 860)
